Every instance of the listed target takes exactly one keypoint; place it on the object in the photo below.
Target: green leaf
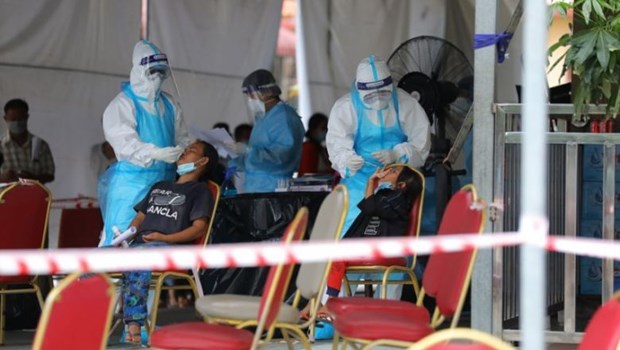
(606, 88)
(602, 51)
(562, 41)
(598, 9)
(612, 62)
(587, 50)
(586, 9)
(559, 60)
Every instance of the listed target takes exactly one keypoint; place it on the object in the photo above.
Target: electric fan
(439, 76)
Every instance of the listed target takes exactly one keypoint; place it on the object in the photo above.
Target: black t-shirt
(170, 207)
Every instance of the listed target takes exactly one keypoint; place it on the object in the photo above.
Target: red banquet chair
(79, 228)
(24, 213)
(388, 266)
(446, 278)
(200, 335)
(453, 339)
(603, 330)
(77, 314)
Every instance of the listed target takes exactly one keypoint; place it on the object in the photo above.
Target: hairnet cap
(263, 81)
(372, 69)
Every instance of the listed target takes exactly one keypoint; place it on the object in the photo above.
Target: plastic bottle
(228, 186)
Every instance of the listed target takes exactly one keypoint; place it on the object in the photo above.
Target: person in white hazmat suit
(374, 125)
(145, 127)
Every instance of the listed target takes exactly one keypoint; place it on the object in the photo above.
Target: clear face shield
(256, 98)
(376, 94)
(156, 66)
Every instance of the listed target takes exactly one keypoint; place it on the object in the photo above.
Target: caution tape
(32, 262)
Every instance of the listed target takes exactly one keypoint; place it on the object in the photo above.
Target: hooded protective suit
(146, 129)
(374, 125)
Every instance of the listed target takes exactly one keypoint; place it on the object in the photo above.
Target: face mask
(383, 186)
(257, 107)
(320, 137)
(18, 127)
(183, 169)
(378, 100)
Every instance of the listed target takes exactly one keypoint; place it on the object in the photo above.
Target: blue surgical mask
(383, 186)
(183, 169)
(320, 137)
(18, 127)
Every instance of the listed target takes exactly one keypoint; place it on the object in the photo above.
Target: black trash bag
(21, 311)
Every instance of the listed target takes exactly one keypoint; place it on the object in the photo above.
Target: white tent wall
(339, 33)
(67, 58)
(212, 45)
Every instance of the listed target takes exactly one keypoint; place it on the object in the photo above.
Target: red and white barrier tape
(31, 262)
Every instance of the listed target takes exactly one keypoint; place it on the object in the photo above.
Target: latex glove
(354, 164)
(239, 148)
(167, 154)
(386, 156)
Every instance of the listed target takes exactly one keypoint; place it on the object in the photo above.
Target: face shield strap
(374, 85)
(156, 59)
(257, 88)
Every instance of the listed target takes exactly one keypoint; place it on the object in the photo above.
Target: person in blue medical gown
(274, 149)
(145, 127)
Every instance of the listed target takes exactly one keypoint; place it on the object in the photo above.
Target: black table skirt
(254, 217)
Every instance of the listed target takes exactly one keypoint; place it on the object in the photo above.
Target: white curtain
(339, 33)
(67, 59)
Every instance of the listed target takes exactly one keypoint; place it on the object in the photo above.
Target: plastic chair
(603, 330)
(311, 280)
(477, 340)
(77, 314)
(80, 228)
(388, 266)
(446, 278)
(24, 213)
(193, 283)
(200, 335)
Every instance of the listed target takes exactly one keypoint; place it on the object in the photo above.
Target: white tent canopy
(67, 58)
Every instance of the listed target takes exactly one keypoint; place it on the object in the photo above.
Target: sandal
(133, 334)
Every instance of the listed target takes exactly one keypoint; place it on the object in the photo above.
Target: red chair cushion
(603, 330)
(340, 306)
(399, 261)
(201, 336)
(381, 325)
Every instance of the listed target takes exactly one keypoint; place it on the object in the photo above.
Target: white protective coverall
(146, 129)
(390, 127)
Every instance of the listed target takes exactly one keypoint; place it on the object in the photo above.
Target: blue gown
(369, 138)
(124, 184)
(274, 149)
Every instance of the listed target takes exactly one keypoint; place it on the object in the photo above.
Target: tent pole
(304, 97)
(483, 150)
(144, 19)
(533, 223)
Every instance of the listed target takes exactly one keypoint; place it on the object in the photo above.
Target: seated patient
(171, 213)
(385, 212)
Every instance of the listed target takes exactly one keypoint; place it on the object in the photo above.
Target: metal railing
(563, 184)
